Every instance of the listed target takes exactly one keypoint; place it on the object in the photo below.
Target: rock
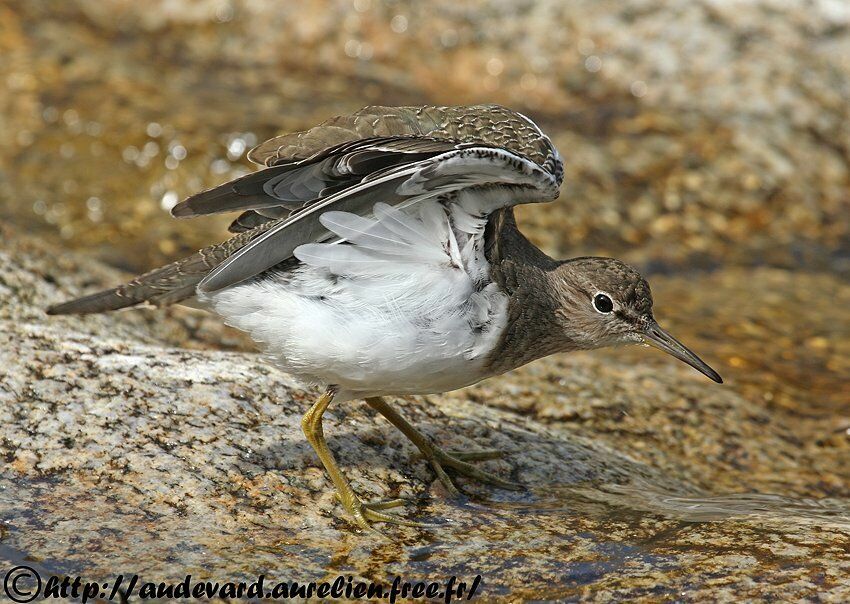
(694, 132)
(129, 452)
(708, 140)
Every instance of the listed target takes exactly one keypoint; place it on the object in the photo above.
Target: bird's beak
(661, 339)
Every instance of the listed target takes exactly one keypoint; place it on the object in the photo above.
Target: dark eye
(603, 303)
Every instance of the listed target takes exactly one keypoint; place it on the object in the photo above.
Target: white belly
(404, 306)
(405, 334)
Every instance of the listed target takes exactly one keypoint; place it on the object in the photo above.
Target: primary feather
(517, 179)
(399, 156)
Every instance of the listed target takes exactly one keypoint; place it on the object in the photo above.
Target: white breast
(402, 304)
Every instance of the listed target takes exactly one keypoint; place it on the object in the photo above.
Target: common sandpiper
(377, 255)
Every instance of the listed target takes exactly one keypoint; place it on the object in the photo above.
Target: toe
(365, 514)
(373, 515)
(466, 469)
(477, 455)
(385, 504)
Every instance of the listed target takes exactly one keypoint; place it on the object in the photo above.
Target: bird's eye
(603, 303)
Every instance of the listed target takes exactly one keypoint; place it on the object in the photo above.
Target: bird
(377, 255)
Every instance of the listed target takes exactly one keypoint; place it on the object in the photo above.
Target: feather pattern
(425, 318)
(400, 156)
(518, 179)
(367, 234)
(292, 185)
(247, 221)
(481, 125)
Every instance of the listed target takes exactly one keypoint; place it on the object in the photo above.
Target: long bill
(664, 341)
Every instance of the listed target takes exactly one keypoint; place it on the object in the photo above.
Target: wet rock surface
(705, 142)
(643, 479)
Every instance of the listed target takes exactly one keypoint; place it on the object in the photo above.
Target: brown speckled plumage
(377, 254)
(491, 125)
(373, 135)
(162, 286)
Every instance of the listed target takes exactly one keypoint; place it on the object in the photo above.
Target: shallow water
(764, 507)
(113, 111)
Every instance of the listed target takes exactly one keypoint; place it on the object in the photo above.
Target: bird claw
(458, 462)
(473, 455)
(366, 513)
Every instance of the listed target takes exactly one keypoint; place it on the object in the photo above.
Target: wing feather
(364, 232)
(401, 223)
(292, 185)
(247, 221)
(516, 179)
(399, 156)
(389, 243)
(479, 125)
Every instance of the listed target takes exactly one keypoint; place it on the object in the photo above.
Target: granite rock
(128, 436)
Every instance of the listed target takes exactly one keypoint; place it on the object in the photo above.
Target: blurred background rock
(695, 133)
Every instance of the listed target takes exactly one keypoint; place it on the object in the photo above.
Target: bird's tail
(162, 286)
(165, 285)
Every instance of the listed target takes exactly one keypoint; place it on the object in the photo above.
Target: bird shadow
(382, 454)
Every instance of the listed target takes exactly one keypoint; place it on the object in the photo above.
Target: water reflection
(687, 505)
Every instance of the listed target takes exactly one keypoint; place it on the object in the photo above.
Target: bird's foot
(475, 454)
(458, 461)
(366, 513)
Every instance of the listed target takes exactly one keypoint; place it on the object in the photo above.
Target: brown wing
(510, 179)
(394, 155)
(280, 190)
(487, 125)
(304, 167)
(164, 285)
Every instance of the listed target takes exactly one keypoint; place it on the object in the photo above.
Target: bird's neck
(525, 273)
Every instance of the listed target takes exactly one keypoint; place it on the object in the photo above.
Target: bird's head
(604, 302)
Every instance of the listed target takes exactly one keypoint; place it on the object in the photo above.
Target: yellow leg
(456, 460)
(363, 513)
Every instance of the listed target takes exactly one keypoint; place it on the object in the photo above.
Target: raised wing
(501, 177)
(281, 190)
(394, 155)
(304, 167)
(486, 125)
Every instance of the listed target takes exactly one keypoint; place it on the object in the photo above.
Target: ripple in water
(694, 506)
